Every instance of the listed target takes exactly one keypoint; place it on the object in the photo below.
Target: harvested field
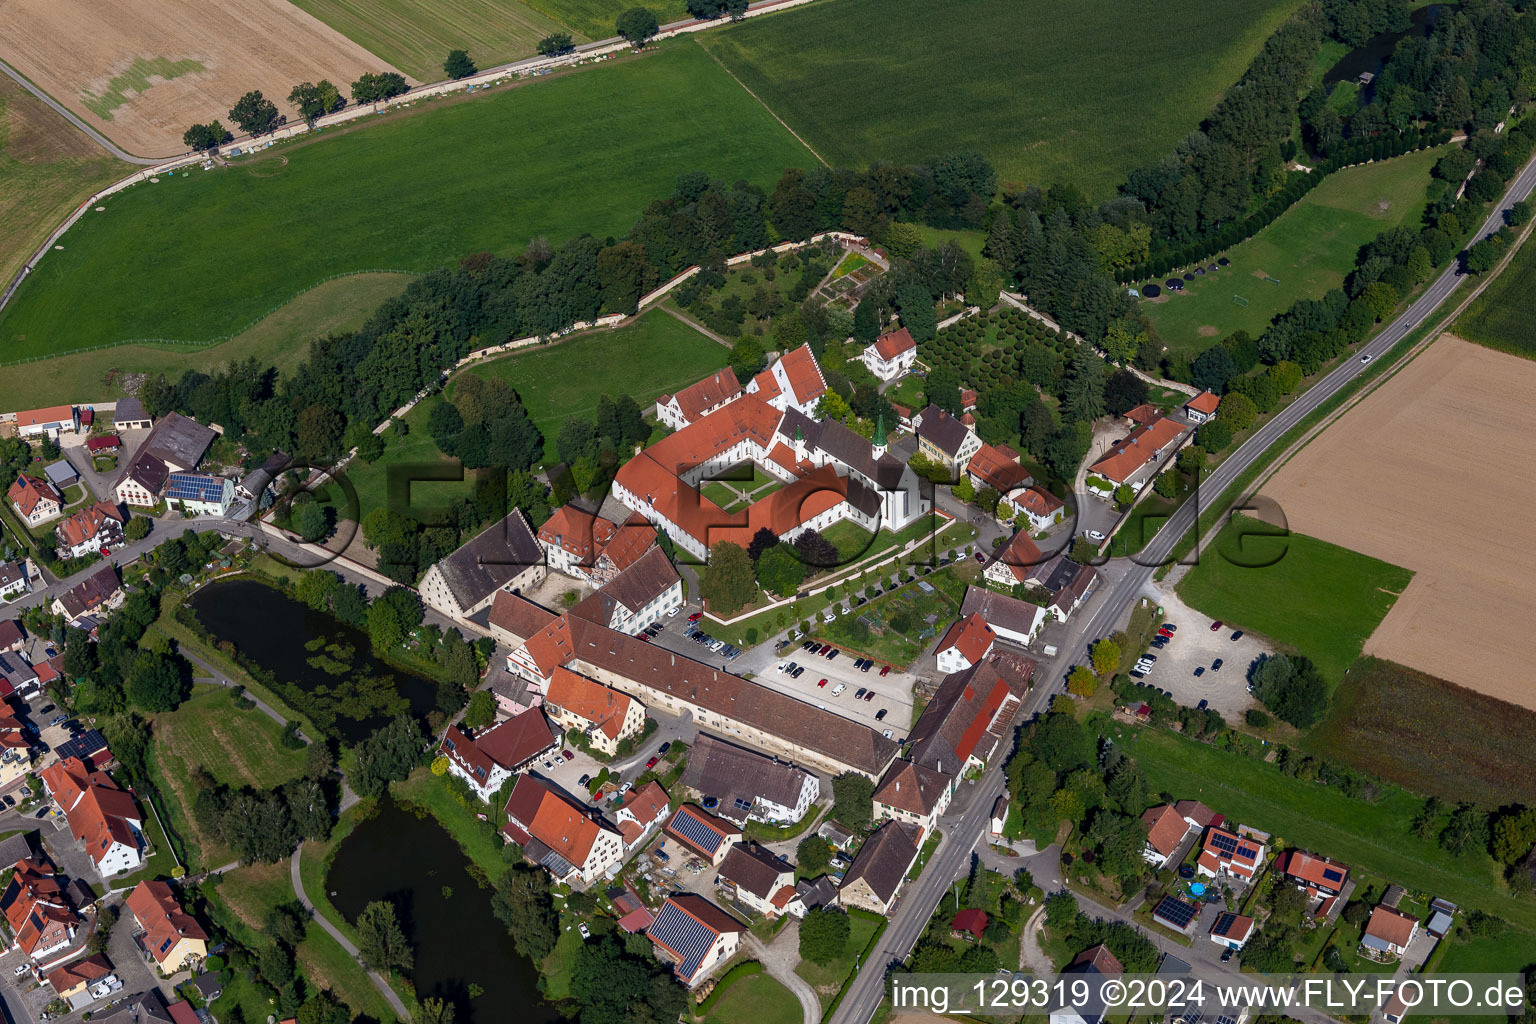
(1429, 472)
(140, 73)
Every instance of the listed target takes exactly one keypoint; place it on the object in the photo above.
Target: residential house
(74, 979)
(1178, 914)
(98, 592)
(17, 675)
(1227, 853)
(130, 415)
(1166, 829)
(1014, 563)
(1094, 962)
(891, 355)
(12, 636)
(504, 556)
(792, 381)
(571, 538)
(999, 469)
(1143, 414)
(201, 494)
(1067, 583)
(698, 400)
(1389, 931)
(913, 793)
(175, 445)
(61, 474)
(1013, 620)
(103, 817)
(874, 879)
(1042, 507)
(743, 785)
(50, 422)
(513, 618)
(1197, 815)
(1232, 930)
(764, 881)
(1202, 407)
(694, 936)
(35, 499)
(945, 440)
(14, 581)
(642, 594)
(1133, 460)
(631, 539)
(166, 932)
(604, 716)
(38, 909)
(259, 482)
(703, 834)
(568, 840)
(969, 924)
(837, 836)
(106, 444)
(90, 530)
(488, 760)
(148, 1007)
(811, 893)
(965, 643)
(970, 714)
(513, 693)
(1318, 876)
(642, 809)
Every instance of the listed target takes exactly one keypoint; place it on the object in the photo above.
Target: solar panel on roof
(1250, 852)
(1176, 912)
(1225, 1019)
(697, 832)
(683, 934)
(1223, 843)
(194, 487)
(81, 746)
(1332, 875)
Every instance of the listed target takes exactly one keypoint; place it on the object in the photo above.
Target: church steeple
(879, 444)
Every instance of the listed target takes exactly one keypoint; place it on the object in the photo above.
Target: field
(1504, 316)
(280, 339)
(1424, 473)
(1374, 837)
(212, 252)
(415, 37)
(595, 18)
(1309, 249)
(140, 73)
(1430, 736)
(1047, 98)
(47, 167)
(1317, 598)
(1487, 954)
(756, 999)
(656, 354)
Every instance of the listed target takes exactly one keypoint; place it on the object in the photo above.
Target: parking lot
(892, 692)
(1196, 646)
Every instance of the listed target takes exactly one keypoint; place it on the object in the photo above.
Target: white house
(745, 785)
(764, 881)
(1166, 829)
(35, 499)
(89, 530)
(793, 381)
(504, 556)
(103, 817)
(571, 842)
(605, 717)
(1232, 930)
(694, 936)
(967, 642)
(641, 811)
(14, 580)
(1013, 620)
(50, 422)
(488, 760)
(647, 591)
(175, 445)
(200, 493)
(698, 400)
(1389, 931)
(913, 793)
(1042, 507)
(1202, 407)
(892, 355)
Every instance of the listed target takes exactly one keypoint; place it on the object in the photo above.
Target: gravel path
(779, 959)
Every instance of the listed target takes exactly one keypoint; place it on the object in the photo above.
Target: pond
(323, 667)
(457, 940)
(1370, 56)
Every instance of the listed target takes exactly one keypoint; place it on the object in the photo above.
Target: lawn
(756, 999)
(475, 837)
(1318, 598)
(827, 979)
(1504, 316)
(595, 18)
(1145, 520)
(1430, 736)
(921, 616)
(47, 168)
(407, 191)
(1374, 837)
(1309, 249)
(415, 37)
(1048, 94)
(657, 353)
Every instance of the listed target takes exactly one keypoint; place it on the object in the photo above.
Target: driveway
(779, 958)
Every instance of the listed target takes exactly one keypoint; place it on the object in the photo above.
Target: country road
(68, 115)
(952, 860)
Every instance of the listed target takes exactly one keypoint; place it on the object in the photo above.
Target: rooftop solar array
(685, 935)
(1332, 875)
(1223, 843)
(696, 831)
(1176, 912)
(82, 746)
(194, 487)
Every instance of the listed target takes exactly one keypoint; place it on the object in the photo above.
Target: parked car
(1094, 535)
(644, 636)
(885, 670)
(664, 747)
(980, 557)
(1149, 657)
(869, 663)
(584, 780)
(839, 688)
(1137, 673)
(58, 719)
(1216, 665)
(1199, 671)
(586, 933)
(1226, 954)
(1215, 626)
(625, 788)
(797, 673)
(808, 645)
(19, 971)
(823, 682)
(859, 694)
(1202, 705)
(569, 755)
(1237, 635)
(869, 696)
(880, 715)
(695, 617)
(789, 667)
(832, 653)
(652, 762)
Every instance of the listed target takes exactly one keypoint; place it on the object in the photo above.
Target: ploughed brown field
(1433, 472)
(141, 71)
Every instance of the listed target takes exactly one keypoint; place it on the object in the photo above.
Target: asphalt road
(952, 859)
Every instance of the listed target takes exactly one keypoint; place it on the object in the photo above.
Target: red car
(822, 683)
(885, 670)
(652, 762)
(695, 617)
(644, 636)
(1215, 625)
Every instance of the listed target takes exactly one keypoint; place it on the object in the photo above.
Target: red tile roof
(98, 811)
(912, 787)
(81, 972)
(1305, 867)
(1143, 446)
(88, 523)
(28, 491)
(724, 829)
(1166, 828)
(970, 920)
(105, 443)
(518, 615)
(997, 470)
(154, 906)
(1036, 502)
(1021, 555)
(576, 531)
(894, 343)
(52, 414)
(589, 700)
(1204, 402)
(696, 399)
(971, 636)
(1143, 413)
(637, 920)
(508, 745)
(182, 1013)
(647, 804)
(804, 375)
(634, 537)
(1391, 926)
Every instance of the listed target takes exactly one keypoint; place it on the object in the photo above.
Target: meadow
(416, 37)
(1374, 837)
(1503, 317)
(1430, 736)
(1316, 598)
(47, 167)
(655, 354)
(1048, 98)
(199, 256)
(595, 18)
(756, 999)
(1308, 249)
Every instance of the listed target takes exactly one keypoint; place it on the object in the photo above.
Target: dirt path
(345, 943)
(691, 322)
(779, 959)
(1032, 958)
(771, 112)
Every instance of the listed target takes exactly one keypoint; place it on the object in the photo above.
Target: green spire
(799, 434)
(880, 430)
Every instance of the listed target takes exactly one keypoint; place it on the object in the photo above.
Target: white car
(1094, 535)
(839, 688)
(1365, 358)
(586, 933)
(18, 972)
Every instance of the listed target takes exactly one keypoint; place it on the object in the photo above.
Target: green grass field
(1430, 736)
(655, 354)
(1504, 316)
(1048, 94)
(415, 37)
(1373, 837)
(595, 18)
(1317, 598)
(756, 999)
(47, 168)
(200, 256)
(1309, 249)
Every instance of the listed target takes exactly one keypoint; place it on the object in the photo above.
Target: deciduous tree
(824, 934)
(728, 581)
(255, 114)
(459, 65)
(637, 25)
